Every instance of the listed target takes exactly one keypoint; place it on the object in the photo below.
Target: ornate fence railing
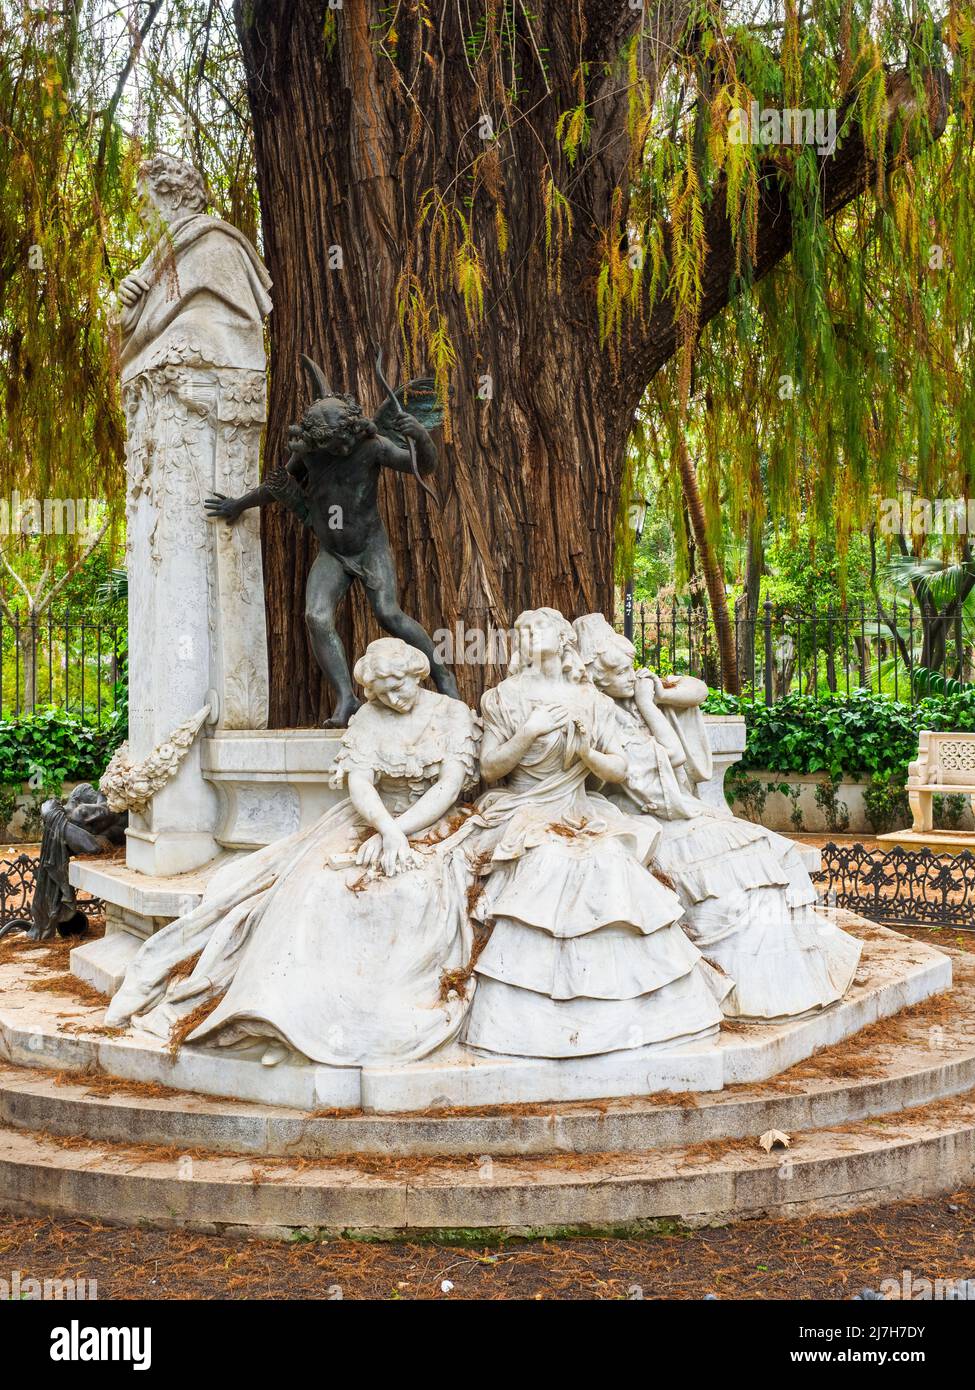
(893, 887)
(815, 651)
(68, 661)
(75, 663)
(899, 887)
(18, 878)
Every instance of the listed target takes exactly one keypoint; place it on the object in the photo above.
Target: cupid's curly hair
(177, 180)
(319, 429)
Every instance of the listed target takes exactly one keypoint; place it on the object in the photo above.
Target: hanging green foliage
(845, 370)
(84, 90)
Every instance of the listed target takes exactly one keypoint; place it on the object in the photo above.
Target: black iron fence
(896, 650)
(893, 887)
(77, 663)
(18, 878)
(900, 886)
(66, 660)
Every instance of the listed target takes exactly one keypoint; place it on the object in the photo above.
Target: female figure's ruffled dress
(747, 898)
(303, 946)
(586, 954)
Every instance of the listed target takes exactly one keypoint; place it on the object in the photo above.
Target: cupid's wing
(284, 489)
(418, 398)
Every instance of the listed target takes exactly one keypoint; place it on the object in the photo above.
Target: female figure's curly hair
(523, 623)
(596, 635)
(389, 656)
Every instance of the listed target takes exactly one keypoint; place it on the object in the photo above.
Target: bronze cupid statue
(332, 483)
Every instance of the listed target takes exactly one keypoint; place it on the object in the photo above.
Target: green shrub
(949, 810)
(749, 792)
(50, 747)
(835, 812)
(860, 736)
(8, 806)
(886, 805)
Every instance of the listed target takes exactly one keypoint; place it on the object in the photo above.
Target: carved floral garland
(131, 786)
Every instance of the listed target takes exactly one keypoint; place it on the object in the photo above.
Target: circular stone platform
(887, 1112)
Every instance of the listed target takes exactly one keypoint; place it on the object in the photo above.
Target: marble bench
(945, 766)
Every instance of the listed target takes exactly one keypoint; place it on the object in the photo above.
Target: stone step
(916, 1152)
(918, 1062)
(48, 1021)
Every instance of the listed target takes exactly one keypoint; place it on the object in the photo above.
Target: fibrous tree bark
(350, 142)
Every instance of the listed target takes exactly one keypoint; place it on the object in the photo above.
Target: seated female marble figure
(586, 954)
(337, 942)
(670, 707)
(747, 899)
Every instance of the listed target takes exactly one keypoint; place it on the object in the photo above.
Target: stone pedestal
(938, 841)
(726, 734)
(897, 972)
(194, 390)
(269, 782)
(196, 593)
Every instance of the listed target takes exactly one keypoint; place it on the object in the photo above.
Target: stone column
(194, 391)
(196, 593)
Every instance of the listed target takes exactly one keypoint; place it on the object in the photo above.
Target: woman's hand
(390, 851)
(545, 719)
(578, 745)
(679, 692)
(648, 684)
(498, 758)
(581, 741)
(397, 855)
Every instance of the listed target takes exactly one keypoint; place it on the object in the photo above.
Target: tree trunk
(28, 667)
(529, 480)
(710, 568)
(349, 142)
(749, 601)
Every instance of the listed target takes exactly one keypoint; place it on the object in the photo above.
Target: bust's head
(171, 188)
(390, 673)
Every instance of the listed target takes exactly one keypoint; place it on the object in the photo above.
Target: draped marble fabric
(586, 954)
(208, 296)
(747, 898)
(343, 965)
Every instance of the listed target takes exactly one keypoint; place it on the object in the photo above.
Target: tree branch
(39, 602)
(123, 78)
(17, 579)
(44, 603)
(842, 176)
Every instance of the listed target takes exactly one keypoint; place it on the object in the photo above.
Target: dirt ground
(821, 839)
(816, 1258)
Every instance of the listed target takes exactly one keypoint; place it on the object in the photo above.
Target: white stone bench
(945, 766)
